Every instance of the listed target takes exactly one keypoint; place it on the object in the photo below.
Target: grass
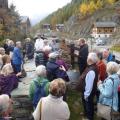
(75, 104)
(116, 48)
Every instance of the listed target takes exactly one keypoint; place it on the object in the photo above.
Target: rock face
(22, 106)
(79, 26)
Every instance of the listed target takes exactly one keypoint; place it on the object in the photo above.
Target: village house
(60, 27)
(103, 29)
(4, 4)
(25, 25)
(46, 26)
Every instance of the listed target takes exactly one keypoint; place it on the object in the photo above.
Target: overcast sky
(37, 9)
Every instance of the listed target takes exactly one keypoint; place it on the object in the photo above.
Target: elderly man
(17, 58)
(5, 107)
(53, 107)
(82, 57)
(29, 48)
(39, 86)
(54, 70)
(89, 80)
(108, 56)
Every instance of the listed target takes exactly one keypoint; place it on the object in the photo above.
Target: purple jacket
(8, 83)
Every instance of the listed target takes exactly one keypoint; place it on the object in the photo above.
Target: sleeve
(106, 88)
(89, 83)
(66, 112)
(36, 113)
(18, 53)
(31, 91)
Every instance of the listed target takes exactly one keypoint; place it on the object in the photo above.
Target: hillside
(78, 23)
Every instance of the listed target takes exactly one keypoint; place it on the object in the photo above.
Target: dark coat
(29, 49)
(83, 53)
(53, 71)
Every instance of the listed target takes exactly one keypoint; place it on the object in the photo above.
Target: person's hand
(86, 98)
(62, 68)
(99, 82)
(18, 74)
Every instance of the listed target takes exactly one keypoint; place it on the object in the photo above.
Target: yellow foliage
(92, 7)
(84, 8)
(111, 1)
(99, 4)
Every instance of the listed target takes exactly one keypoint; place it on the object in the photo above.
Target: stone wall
(22, 108)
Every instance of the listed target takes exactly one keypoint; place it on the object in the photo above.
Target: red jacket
(102, 70)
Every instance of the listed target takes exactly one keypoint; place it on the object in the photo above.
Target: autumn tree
(111, 1)
(84, 8)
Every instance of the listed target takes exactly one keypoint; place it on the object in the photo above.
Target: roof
(105, 24)
(24, 19)
(60, 25)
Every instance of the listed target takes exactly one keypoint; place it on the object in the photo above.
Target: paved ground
(23, 87)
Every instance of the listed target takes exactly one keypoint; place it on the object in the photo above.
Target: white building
(103, 29)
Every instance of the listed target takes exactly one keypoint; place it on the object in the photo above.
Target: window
(111, 31)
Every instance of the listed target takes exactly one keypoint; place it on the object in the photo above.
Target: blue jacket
(17, 57)
(53, 71)
(110, 58)
(108, 92)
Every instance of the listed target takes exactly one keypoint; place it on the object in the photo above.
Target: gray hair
(53, 55)
(112, 68)
(4, 103)
(1, 50)
(57, 87)
(41, 70)
(18, 43)
(93, 56)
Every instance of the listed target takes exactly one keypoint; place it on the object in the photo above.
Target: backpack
(39, 92)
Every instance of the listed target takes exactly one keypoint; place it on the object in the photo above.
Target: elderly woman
(39, 86)
(5, 106)
(109, 88)
(119, 90)
(88, 82)
(8, 80)
(53, 107)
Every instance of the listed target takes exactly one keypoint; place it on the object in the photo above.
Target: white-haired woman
(39, 87)
(88, 85)
(53, 107)
(5, 107)
(109, 88)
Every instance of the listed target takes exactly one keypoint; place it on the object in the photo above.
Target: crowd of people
(99, 78)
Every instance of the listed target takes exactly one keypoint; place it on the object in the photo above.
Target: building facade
(60, 27)
(25, 25)
(4, 4)
(103, 29)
